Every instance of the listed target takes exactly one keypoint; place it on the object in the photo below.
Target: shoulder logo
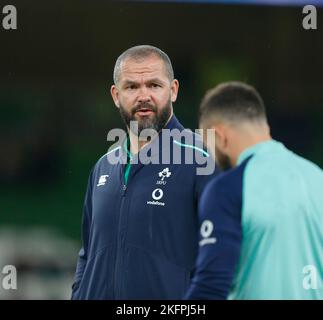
(206, 231)
(102, 180)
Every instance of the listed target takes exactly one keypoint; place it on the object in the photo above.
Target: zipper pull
(124, 188)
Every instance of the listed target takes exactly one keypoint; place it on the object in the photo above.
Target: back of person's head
(232, 102)
(236, 115)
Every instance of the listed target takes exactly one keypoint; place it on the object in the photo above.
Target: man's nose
(144, 95)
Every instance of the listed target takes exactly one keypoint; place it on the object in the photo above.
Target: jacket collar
(155, 147)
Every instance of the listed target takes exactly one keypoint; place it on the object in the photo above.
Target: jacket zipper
(119, 243)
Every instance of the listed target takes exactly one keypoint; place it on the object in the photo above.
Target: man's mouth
(144, 112)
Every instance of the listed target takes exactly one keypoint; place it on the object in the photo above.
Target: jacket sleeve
(219, 240)
(86, 223)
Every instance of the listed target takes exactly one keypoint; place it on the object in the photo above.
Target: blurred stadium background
(56, 110)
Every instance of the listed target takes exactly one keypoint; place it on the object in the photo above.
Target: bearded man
(140, 224)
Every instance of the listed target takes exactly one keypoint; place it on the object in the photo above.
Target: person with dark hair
(261, 234)
(140, 224)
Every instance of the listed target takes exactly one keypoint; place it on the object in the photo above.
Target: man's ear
(220, 137)
(115, 95)
(174, 90)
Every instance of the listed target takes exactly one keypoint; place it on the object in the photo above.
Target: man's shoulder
(223, 194)
(228, 184)
(111, 157)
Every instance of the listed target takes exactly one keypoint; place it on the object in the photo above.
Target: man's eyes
(131, 87)
(155, 85)
(151, 85)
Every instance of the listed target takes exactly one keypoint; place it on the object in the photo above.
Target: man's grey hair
(139, 53)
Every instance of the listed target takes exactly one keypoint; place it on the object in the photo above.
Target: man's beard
(155, 121)
(222, 160)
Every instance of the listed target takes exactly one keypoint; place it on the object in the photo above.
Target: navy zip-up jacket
(140, 239)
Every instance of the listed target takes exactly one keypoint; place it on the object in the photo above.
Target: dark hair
(233, 102)
(141, 52)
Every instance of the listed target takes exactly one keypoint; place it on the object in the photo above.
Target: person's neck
(137, 144)
(248, 143)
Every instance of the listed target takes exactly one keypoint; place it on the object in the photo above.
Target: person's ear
(174, 90)
(208, 134)
(221, 139)
(115, 95)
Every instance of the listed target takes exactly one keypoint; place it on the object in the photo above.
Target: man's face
(145, 93)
